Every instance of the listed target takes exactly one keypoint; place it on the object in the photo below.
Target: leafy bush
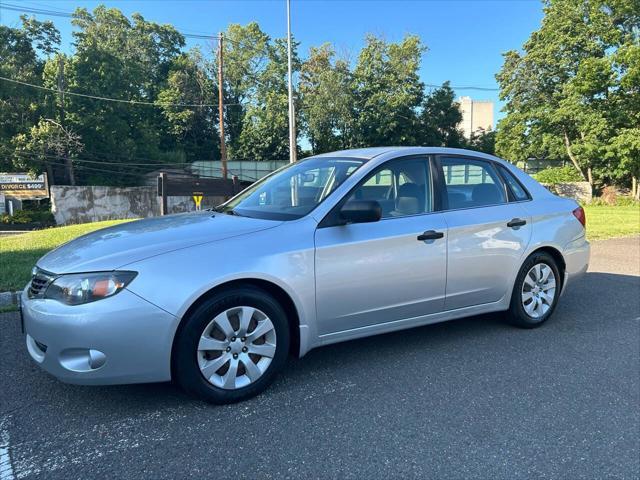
(29, 216)
(553, 175)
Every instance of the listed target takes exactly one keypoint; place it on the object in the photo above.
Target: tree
(566, 94)
(326, 100)
(265, 127)
(48, 147)
(123, 59)
(388, 92)
(21, 58)
(246, 49)
(482, 141)
(138, 100)
(193, 129)
(624, 154)
(440, 119)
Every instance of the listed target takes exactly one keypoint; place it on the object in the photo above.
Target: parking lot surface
(472, 398)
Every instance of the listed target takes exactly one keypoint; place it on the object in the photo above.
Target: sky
(465, 38)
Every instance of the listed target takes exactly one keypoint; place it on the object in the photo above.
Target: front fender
(283, 255)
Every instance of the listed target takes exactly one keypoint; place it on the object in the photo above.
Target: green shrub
(553, 175)
(29, 216)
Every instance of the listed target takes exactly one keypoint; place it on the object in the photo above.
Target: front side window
(471, 183)
(401, 187)
(293, 191)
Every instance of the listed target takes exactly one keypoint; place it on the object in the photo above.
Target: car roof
(369, 153)
(362, 153)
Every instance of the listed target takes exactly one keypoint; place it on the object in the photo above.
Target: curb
(9, 298)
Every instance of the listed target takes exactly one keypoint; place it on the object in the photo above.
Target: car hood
(114, 247)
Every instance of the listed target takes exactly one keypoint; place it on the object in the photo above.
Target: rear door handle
(430, 235)
(516, 222)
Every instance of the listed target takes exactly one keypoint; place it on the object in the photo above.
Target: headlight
(79, 288)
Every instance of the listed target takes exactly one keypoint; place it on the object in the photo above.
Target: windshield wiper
(229, 211)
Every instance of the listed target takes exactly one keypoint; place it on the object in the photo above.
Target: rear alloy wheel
(538, 290)
(535, 292)
(232, 346)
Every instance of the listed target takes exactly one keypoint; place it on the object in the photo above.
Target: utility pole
(67, 161)
(223, 145)
(292, 114)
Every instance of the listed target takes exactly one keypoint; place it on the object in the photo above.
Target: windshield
(292, 191)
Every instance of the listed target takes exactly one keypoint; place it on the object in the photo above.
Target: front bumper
(121, 339)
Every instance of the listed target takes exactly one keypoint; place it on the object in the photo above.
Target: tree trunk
(574, 160)
(68, 163)
(50, 178)
(635, 188)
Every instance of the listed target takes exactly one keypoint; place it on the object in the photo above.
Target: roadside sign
(24, 186)
(196, 187)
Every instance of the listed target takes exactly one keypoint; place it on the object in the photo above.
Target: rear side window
(471, 183)
(519, 193)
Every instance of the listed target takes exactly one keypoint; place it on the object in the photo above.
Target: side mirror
(361, 211)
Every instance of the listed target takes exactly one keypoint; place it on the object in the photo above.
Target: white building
(476, 115)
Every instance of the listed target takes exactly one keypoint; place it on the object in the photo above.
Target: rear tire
(535, 292)
(232, 346)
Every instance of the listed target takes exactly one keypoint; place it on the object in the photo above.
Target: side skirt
(380, 328)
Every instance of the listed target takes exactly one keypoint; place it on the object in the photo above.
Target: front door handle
(516, 222)
(430, 235)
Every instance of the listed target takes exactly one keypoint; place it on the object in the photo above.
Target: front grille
(39, 283)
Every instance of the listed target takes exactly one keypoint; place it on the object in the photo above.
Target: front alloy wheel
(237, 347)
(231, 346)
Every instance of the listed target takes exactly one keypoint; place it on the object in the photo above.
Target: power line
(118, 100)
(42, 11)
(58, 13)
(104, 162)
(470, 87)
(132, 169)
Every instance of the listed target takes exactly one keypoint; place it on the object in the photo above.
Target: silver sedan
(335, 247)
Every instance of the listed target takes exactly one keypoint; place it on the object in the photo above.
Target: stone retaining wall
(579, 191)
(93, 204)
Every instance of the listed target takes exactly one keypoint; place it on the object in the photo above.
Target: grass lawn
(608, 222)
(19, 253)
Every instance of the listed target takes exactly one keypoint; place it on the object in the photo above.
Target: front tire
(536, 291)
(232, 346)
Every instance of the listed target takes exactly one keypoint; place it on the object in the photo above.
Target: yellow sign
(198, 200)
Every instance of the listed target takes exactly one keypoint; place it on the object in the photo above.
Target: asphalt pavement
(472, 398)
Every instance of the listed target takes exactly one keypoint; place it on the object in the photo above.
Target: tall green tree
(22, 57)
(327, 100)
(246, 53)
(388, 91)
(440, 119)
(124, 59)
(265, 127)
(192, 130)
(568, 92)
